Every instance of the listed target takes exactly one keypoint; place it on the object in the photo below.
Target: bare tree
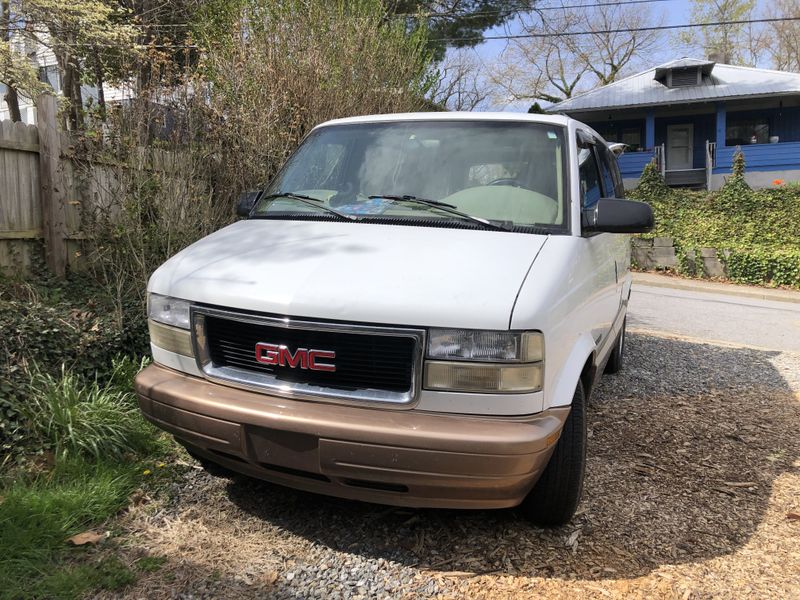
(460, 83)
(733, 44)
(555, 63)
(784, 47)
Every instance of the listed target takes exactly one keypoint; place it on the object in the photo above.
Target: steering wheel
(506, 181)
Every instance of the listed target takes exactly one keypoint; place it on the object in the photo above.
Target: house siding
(631, 164)
(761, 157)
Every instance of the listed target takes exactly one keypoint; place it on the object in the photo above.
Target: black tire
(554, 499)
(614, 363)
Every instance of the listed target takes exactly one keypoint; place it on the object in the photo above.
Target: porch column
(650, 130)
(721, 125)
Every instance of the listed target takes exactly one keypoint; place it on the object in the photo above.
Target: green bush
(736, 184)
(53, 324)
(651, 183)
(68, 415)
(756, 231)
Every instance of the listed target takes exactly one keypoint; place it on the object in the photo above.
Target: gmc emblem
(280, 355)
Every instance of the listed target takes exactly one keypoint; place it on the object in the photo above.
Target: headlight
(172, 339)
(466, 344)
(484, 361)
(169, 311)
(470, 377)
(168, 324)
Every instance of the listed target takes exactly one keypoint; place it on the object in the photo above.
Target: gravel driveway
(693, 485)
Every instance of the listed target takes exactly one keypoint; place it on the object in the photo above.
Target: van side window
(591, 191)
(612, 180)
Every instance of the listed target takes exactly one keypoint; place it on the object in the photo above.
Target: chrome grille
(377, 364)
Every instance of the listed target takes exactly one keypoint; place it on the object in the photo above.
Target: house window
(750, 130)
(51, 75)
(632, 137)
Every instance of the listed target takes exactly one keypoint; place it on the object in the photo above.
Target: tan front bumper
(399, 457)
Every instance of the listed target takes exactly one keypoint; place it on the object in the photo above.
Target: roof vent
(683, 77)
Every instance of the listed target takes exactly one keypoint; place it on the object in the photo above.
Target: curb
(728, 289)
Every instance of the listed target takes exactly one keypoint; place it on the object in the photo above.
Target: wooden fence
(20, 194)
(38, 196)
(43, 190)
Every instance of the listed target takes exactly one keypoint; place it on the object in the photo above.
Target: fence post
(52, 185)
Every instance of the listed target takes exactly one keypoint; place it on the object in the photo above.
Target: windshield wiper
(396, 197)
(443, 206)
(311, 201)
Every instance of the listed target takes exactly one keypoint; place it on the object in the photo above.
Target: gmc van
(413, 312)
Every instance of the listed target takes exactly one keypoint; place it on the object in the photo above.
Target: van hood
(356, 272)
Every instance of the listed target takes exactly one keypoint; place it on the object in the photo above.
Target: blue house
(691, 115)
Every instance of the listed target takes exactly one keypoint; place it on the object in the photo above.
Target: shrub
(736, 187)
(269, 72)
(52, 324)
(758, 231)
(74, 417)
(652, 182)
(758, 266)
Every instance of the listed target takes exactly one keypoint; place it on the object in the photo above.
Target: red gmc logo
(275, 354)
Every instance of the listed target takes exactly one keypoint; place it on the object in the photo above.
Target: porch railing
(711, 161)
(661, 159)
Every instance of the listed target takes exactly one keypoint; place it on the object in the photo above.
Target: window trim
(584, 140)
(616, 176)
(747, 120)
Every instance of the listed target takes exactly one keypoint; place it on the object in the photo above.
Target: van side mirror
(246, 202)
(615, 215)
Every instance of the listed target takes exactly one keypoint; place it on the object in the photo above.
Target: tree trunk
(12, 100)
(66, 83)
(98, 80)
(72, 92)
(77, 99)
(71, 87)
(11, 96)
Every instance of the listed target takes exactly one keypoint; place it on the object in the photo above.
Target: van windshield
(502, 175)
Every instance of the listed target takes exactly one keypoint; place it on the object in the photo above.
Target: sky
(675, 12)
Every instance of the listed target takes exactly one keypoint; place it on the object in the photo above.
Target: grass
(39, 512)
(150, 564)
(97, 448)
(73, 417)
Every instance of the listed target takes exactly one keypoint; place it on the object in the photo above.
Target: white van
(413, 312)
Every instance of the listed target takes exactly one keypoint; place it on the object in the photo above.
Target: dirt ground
(692, 491)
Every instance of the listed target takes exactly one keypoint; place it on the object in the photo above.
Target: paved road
(709, 316)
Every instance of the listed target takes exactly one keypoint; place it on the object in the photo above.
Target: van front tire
(554, 499)
(614, 363)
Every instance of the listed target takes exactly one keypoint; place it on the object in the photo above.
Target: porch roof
(722, 82)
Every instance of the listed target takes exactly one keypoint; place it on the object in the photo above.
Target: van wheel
(614, 363)
(554, 499)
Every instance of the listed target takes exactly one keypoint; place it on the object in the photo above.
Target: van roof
(453, 116)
